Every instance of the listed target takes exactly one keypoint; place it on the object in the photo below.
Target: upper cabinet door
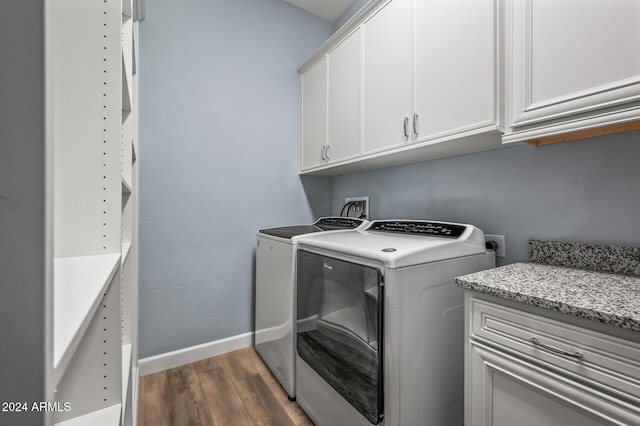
(572, 64)
(314, 115)
(455, 67)
(388, 76)
(345, 100)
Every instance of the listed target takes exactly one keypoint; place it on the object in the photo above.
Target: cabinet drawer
(590, 356)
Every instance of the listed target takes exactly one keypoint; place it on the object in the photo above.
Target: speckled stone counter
(606, 297)
(604, 258)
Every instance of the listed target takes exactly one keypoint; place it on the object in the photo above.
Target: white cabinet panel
(508, 391)
(455, 66)
(388, 72)
(571, 67)
(427, 85)
(345, 77)
(530, 369)
(314, 114)
(516, 402)
(605, 361)
(570, 52)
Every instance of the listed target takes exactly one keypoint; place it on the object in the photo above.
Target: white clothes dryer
(275, 293)
(380, 323)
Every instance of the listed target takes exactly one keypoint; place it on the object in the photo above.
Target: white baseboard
(161, 362)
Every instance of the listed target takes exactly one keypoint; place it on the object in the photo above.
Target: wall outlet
(359, 208)
(501, 244)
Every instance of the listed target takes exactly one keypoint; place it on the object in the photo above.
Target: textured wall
(219, 159)
(581, 191)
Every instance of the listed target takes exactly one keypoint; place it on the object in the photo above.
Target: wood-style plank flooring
(236, 388)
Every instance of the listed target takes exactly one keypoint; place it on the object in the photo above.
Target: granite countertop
(590, 291)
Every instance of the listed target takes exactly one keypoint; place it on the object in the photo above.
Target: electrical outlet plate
(498, 239)
(358, 209)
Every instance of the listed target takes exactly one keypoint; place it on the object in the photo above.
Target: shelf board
(134, 66)
(109, 416)
(125, 115)
(126, 91)
(126, 10)
(126, 249)
(126, 374)
(126, 186)
(78, 287)
(127, 40)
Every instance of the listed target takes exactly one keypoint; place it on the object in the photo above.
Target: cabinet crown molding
(354, 22)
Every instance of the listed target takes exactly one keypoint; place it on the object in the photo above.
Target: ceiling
(329, 10)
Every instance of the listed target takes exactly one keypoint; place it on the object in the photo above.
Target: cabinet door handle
(326, 152)
(576, 355)
(406, 125)
(323, 151)
(415, 125)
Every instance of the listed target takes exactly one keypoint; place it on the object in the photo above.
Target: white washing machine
(380, 323)
(275, 293)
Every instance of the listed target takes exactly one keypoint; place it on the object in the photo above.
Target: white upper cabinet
(571, 67)
(415, 80)
(426, 87)
(419, 84)
(314, 115)
(388, 76)
(455, 61)
(332, 105)
(345, 99)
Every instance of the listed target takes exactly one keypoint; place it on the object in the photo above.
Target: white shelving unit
(129, 197)
(79, 284)
(91, 364)
(126, 249)
(106, 416)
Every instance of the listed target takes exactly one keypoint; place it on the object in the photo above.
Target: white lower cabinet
(509, 391)
(528, 369)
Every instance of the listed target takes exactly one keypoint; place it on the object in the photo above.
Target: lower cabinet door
(505, 391)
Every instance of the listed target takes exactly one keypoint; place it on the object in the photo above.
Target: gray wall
(582, 191)
(219, 159)
(219, 144)
(22, 209)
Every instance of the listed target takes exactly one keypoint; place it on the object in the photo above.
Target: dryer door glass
(339, 328)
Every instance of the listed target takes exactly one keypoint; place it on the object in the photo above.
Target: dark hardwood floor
(236, 388)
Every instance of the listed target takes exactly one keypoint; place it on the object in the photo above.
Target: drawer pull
(576, 355)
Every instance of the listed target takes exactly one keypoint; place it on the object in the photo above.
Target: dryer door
(339, 328)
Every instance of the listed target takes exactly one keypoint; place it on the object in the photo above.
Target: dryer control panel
(432, 229)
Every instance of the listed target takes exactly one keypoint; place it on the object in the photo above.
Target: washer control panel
(432, 229)
(331, 223)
